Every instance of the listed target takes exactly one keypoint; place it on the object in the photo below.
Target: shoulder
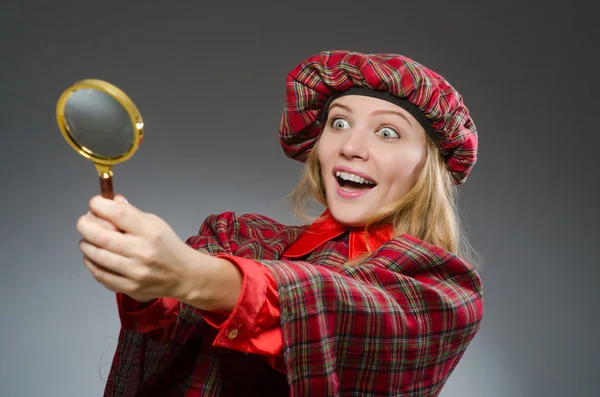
(249, 225)
(411, 255)
(433, 267)
(248, 235)
(230, 218)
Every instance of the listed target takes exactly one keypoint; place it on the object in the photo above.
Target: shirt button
(233, 333)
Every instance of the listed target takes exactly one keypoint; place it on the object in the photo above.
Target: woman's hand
(135, 253)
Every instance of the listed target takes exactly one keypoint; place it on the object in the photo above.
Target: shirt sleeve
(155, 318)
(251, 327)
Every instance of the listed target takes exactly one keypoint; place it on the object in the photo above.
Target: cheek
(322, 157)
(325, 151)
(403, 171)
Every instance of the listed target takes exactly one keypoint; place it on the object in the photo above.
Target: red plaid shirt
(390, 328)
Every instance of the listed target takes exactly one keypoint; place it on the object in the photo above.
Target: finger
(114, 263)
(126, 245)
(95, 267)
(125, 216)
(102, 222)
(113, 282)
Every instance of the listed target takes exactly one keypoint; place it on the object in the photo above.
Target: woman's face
(371, 154)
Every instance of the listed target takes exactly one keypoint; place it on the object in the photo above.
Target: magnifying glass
(102, 124)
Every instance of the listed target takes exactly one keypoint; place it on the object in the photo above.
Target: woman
(373, 298)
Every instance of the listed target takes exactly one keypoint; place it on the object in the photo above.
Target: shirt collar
(326, 228)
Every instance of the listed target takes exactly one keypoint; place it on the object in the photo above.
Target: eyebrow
(375, 113)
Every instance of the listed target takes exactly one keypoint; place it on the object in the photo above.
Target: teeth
(351, 177)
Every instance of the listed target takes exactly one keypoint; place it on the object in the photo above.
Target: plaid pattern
(312, 82)
(395, 325)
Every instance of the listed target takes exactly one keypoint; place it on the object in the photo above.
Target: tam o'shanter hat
(315, 81)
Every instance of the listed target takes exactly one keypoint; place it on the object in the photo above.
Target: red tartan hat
(311, 85)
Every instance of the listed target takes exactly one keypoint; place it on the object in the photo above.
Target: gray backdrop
(209, 81)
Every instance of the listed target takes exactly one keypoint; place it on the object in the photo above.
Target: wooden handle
(106, 187)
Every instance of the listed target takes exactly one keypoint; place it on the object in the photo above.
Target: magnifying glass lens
(98, 123)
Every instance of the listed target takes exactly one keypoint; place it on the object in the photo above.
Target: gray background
(209, 81)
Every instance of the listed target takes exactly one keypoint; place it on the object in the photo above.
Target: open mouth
(353, 182)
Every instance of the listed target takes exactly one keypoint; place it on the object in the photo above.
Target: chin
(348, 215)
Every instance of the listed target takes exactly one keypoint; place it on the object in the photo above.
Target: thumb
(121, 199)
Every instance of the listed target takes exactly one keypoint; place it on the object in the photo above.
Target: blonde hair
(428, 211)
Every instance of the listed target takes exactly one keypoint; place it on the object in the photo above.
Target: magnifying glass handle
(106, 186)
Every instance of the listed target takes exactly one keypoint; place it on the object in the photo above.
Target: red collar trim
(326, 227)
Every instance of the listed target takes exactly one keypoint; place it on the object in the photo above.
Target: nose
(355, 145)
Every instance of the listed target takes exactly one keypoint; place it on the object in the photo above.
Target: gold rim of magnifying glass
(119, 96)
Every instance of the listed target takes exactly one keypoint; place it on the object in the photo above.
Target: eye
(388, 133)
(339, 123)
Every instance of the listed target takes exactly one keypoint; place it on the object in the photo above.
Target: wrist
(212, 284)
